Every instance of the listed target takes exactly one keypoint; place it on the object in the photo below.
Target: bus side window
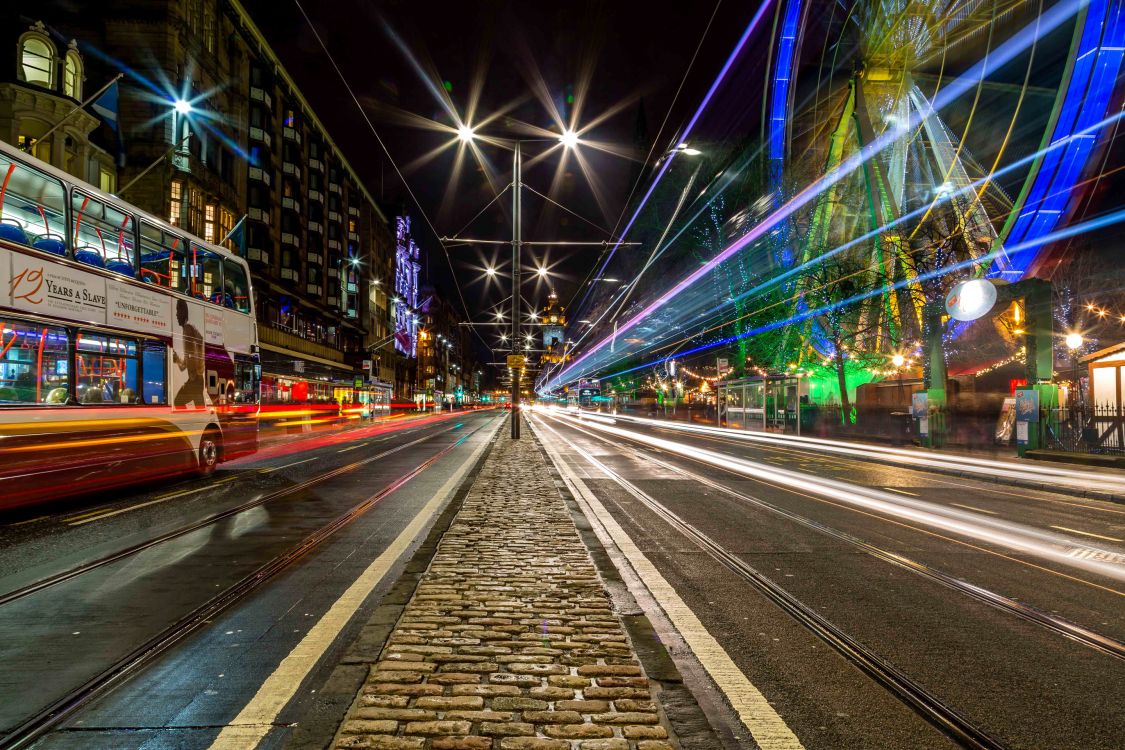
(154, 361)
(163, 258)
(207, 274)
(107, 369)
(103, 235)
(32, 208)
(236, 289)
(247, 377)
(33, 363)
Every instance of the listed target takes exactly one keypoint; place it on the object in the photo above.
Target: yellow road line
(1088, 533)
(30, 520)
(978, 510)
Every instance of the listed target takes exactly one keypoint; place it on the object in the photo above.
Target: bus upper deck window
(32, 208)
(206, 274)
(236, 288)
(103, 235)
(163, 258)
(33, 363)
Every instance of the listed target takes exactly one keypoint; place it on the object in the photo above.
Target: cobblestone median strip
(510, 641)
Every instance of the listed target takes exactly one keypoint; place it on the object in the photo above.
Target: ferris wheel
(987, 116)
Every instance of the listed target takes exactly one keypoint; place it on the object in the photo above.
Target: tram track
(910, 692)
(1061, 626)
(78, 570)
(124, 668)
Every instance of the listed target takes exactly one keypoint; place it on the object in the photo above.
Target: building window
(37, 60)
(175, 203)
(72, 75)
(209, 27)
(107, 180)
(290, 119)
(226, 223)
(195, 211)
(209, 222)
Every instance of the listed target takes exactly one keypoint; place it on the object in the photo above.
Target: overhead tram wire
(575, 214)
(652, 148)
(386, 151)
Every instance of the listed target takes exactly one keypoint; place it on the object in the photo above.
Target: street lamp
(182, 106)
(1074, 342)
(569, 139)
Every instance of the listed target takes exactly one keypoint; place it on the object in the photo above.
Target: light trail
(1011, 47)
(1012, 536)
(1029, 245)
(910, 458)
(750, 28)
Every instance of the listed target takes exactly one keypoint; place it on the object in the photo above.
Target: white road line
(257, 717)
(90, 517)
(352, 448)
(286, 466)
(768, 729)
(971, 507)
(1087, 533)
(904, 492)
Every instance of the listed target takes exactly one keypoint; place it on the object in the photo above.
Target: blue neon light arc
(1088, 95)
(782, 79)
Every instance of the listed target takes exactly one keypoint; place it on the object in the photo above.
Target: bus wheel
(210, 450)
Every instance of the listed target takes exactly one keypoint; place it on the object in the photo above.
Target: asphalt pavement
(106, 588)
(980, 642)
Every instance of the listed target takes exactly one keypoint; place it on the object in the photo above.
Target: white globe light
(490, 271)
(971, 299)
(569, 138)
(898, 360)
(465, 133)
(182, 106)
(1074, 340)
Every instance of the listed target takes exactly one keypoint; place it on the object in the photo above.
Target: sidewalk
(510, 641)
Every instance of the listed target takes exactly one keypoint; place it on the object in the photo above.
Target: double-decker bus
(128, 347)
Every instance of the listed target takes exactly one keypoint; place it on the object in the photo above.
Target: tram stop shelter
(762, 402)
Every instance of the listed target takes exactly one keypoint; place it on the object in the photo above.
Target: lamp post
(517, 241)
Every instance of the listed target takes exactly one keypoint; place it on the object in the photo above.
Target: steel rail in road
(35, 726)
(915, 696)
(1073, 631)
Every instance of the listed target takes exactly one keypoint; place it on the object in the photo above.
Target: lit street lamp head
(465, 133)
(182, 106)
(569, 138)
(1074, 341)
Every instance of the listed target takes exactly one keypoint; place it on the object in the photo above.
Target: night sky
(634, 56)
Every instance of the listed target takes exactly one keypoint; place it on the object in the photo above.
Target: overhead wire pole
(517, 297)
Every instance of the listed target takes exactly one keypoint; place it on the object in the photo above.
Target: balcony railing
(289, 274)
(257, 254)
(258, 214)
(291, 134)
(335, 216)
(257, 173)
(291, 169)
(353, 210)
(315, 226)
(288, 238)
(257, 134)
(291, 204)
(316, 289)
(316, 164)
(316, 195)
(286, 340)
(315, 259)
(260, 95)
